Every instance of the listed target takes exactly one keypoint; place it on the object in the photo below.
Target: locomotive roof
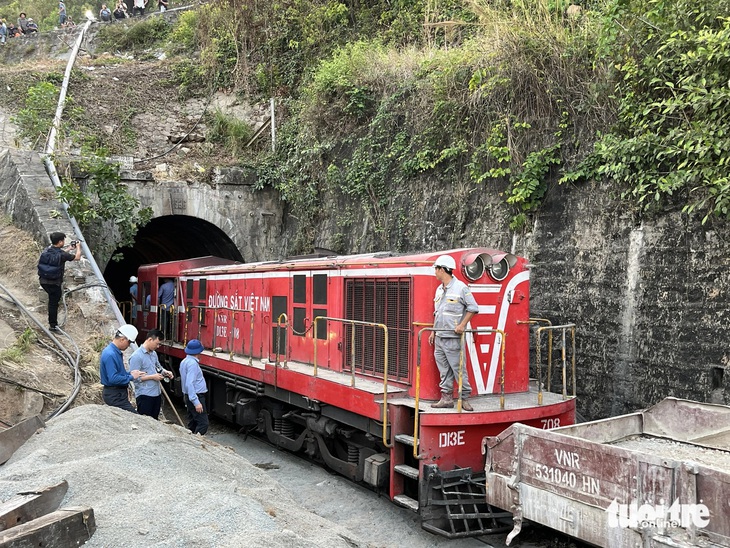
(332, 262)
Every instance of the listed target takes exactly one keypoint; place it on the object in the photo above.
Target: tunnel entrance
(167, 238)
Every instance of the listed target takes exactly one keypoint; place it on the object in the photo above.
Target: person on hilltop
(139, 6)
(162, 4)
(23, 23)
(31, 27)
(13, 31)
(105, 14)
(61, 13)
(51, 265)
(3, 31)
(120, 12)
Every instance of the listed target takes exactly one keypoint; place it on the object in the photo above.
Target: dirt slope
(39, 367)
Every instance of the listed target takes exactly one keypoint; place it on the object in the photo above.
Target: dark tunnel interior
(168, 238)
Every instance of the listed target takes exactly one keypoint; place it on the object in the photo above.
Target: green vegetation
(36, 119)
(19, 349)
(134, 35)
(101, 197)
(390, 95)
(229, 132)
(669, 145)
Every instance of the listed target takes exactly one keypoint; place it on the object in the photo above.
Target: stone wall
(251, 219)
(650, 295)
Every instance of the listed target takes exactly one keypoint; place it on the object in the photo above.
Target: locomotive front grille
(386, 301)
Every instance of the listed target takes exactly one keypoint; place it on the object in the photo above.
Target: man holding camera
(147, 386)
(51, 266)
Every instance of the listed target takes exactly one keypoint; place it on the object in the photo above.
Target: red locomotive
(330, 356)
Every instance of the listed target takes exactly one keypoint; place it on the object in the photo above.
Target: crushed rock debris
(155, 484)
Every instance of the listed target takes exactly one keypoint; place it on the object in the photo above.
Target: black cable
(44, 392)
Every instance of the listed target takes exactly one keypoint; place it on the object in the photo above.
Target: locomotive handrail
(215, 309)
(125, 306)
(461, 371)
(535, 321)
(386, 443)
(164, 307)
(550, 329)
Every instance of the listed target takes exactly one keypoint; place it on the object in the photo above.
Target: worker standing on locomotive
(147, 388)
(165, 300)
(454, 307)
(194, 388)
(133, 293)
(114, 376)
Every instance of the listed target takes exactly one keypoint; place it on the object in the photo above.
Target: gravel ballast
(155, 484)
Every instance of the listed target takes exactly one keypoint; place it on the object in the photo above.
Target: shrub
(134, 36)
(36, 119)
(230, 132)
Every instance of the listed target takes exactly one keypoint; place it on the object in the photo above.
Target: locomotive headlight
(499, 270)
(474, 267)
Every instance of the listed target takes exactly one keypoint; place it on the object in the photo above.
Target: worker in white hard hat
(114, 376)
(454, 307)
(133, 294)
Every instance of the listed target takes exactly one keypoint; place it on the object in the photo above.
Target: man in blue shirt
(147, 387)
(194, 388)
(114, 376)
(165, 300)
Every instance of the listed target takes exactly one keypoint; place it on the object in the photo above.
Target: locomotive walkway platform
(489, 403)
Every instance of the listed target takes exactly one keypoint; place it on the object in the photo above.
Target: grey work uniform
(450, 305)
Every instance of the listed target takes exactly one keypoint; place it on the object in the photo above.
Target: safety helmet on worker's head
(133, 279)
(128, 331)
(446, 261)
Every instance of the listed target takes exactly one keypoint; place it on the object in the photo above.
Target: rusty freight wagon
(656, 478)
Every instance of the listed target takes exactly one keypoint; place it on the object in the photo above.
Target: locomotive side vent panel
(386, 301)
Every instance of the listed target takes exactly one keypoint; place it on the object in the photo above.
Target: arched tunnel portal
(167, 238)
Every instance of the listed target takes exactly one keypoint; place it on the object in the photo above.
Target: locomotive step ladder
(451, 503)
(407, 471)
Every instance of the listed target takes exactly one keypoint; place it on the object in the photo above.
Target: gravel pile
(154, 484)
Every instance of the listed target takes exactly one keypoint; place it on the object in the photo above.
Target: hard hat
(128, 331)
(133, 279)
(446, 261)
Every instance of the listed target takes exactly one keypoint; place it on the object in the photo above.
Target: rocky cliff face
(649, 296)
